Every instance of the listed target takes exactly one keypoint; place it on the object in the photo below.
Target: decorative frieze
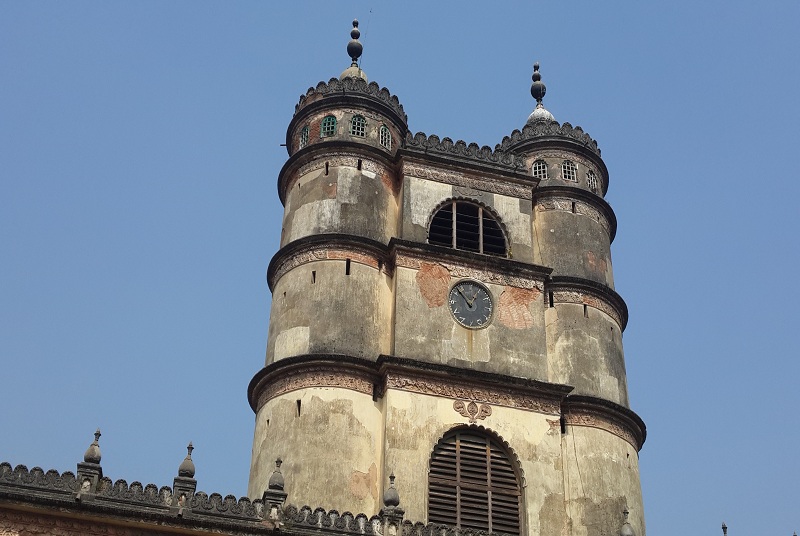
(585, 297)
(341, 159)
(309, 376)
(587, 417)
(455, 178)
(414, 261)
(565, 204)
(320, 252)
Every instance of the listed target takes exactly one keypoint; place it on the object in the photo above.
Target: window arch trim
(493, 440)
(490, 212)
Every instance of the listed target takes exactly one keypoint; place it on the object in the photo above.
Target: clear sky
(139, 151)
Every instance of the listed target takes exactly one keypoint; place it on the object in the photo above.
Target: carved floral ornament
(471, 410)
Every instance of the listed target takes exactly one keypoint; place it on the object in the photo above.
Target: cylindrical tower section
(340, 176)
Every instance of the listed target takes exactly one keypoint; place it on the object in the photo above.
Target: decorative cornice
(350, 87)
(577, 290)
(540, 131)
(561, 197)
(486, 268)
(447, 149)
(581, 410)
(485, 183)
(327, 247)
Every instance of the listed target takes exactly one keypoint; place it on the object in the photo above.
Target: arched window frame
(385, 137)
(455, 482)
(328, 127)
(488, 223)
(358, 126)
(539, 170)
(569, 171)
(304, 137)
(591, 181)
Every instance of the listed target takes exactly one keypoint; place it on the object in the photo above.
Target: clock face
(471, 304)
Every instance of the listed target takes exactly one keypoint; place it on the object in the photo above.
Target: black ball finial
(354, 47)
(538, 89)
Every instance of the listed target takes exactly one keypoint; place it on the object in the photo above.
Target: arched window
(569, 171)
(386, 137)
(304, 137)
(473, 483)
(467, 226)
(358, 126)
(328, 127)
(591, 181)
(539, 170)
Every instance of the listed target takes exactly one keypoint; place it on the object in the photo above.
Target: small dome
(92, 454)
(186, 468)
(626, 529)
(354, 71)
(540, 113)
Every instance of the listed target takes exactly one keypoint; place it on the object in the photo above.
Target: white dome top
(540, 113)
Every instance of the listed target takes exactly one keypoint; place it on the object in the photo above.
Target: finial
(626, 529)
(92, 454)
(354, 47)
(186, 468)
(538, 89)
(391, 497)
(276, 480)
(724, 529)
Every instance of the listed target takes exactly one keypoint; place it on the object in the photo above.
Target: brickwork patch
(513, 308)
(433, 281)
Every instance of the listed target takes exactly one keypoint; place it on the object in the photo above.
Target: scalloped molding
(446, 146)
(548, 129)
(352, 85)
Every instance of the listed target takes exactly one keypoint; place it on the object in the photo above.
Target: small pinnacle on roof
(354, 50)
(626, 529)
(724, 529)
(92, 454)
(391, 497)
(538, 89)
(276, 479)
(186, 468)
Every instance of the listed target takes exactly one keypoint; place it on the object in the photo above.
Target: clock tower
(446, 312)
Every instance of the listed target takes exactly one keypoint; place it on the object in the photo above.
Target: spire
(724, 529)
(354, 50)
(276, 480)
(391, 512)
(538, 89)
(184, 485)
(89, 471)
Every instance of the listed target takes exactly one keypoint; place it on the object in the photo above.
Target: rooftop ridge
(460, 148)
(538, 129)
(353, 85)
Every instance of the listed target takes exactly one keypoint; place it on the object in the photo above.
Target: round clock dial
(471, 304)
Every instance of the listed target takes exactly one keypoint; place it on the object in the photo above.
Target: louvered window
(472, 484)
(467, 226)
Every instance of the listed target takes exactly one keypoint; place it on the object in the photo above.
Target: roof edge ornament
(538, 90)
(354, 50)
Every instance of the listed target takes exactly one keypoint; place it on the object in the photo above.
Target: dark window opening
(550, 296)
(347, 267)
(585, 311)
(467, 226)
(313, 276)
(298, 407)
(326, 168)
(473, 484)
(359, 164)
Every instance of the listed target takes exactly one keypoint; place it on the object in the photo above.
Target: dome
(540, 113)
(354, 71)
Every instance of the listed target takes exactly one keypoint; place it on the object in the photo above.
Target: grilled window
(472, 484)
(591, 181)
(467, 226)
(358, 126)
(386, 137)
(539, 170)
(328, 127)
(569, 171)
(304, 137)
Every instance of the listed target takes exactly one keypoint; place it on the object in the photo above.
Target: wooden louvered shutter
(472, 484)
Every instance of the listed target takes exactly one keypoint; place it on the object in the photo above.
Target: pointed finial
(724, 529)
(538, 89)
(391, 497)
(276, 480)
(186, 468)
(626, 529)
(92, 454)
(354, 50)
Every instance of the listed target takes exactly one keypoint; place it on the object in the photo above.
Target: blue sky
(139, 151)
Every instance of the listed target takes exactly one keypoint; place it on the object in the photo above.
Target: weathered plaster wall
(341, 199)
(514, 342)
(421, 198)
(584, 349)
(317, 308)
(572, 243)
(331, 445)
(601, 473)
(16, 523)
